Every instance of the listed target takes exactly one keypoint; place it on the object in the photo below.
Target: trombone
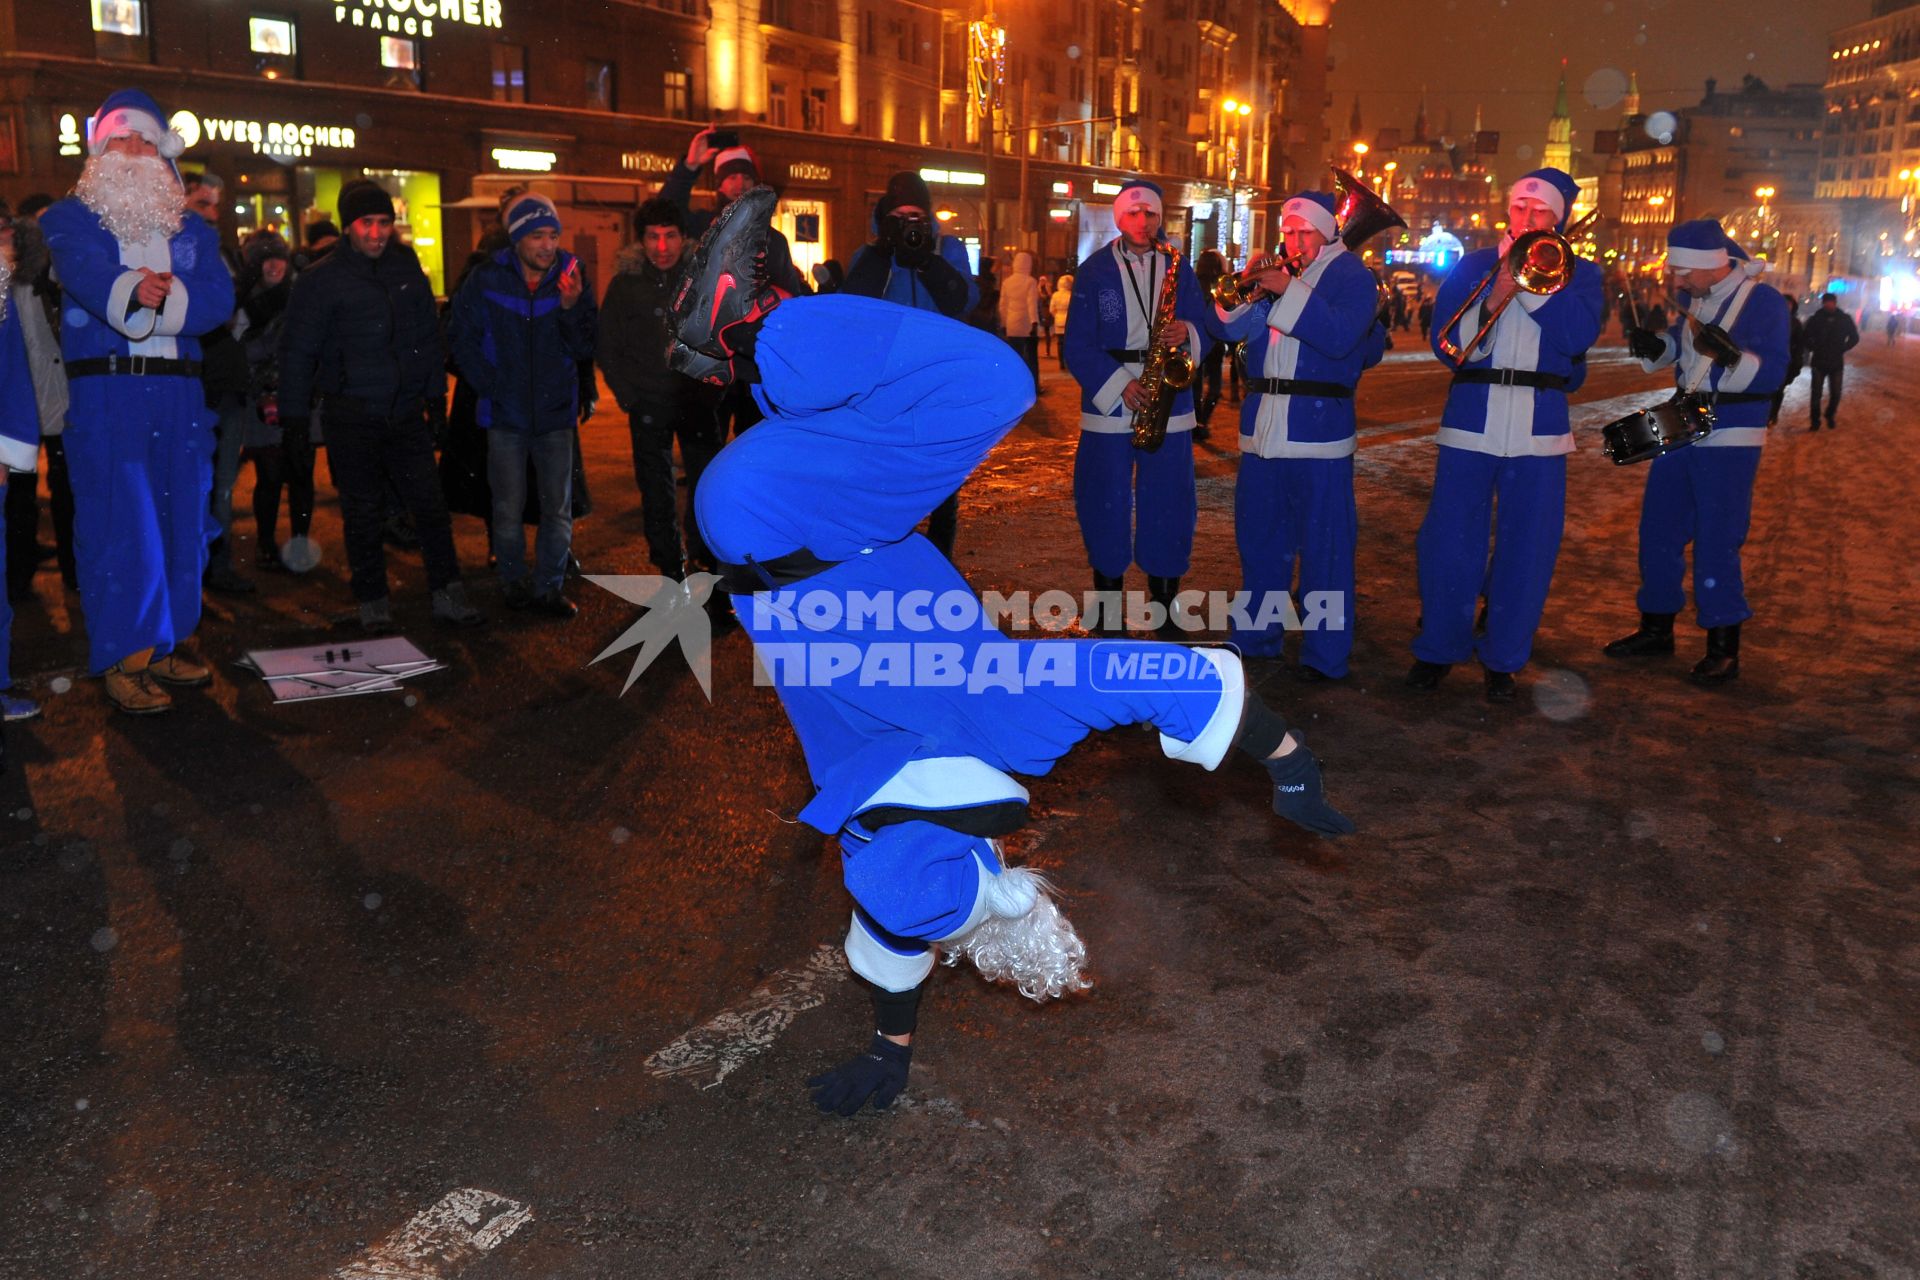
(1540, 262)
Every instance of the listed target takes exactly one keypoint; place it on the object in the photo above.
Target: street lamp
(1231, 108)
(1360, 150)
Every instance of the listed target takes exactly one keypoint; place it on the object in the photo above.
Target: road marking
(711, 1051)
(442, 1240)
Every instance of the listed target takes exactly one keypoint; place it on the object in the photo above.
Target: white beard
(133, 196)
(1024, 940)
(6, 285)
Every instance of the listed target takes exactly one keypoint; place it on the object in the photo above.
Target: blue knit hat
(1552, 187)
(133, 111)
(528, 214)
(1700, 244)
(1137, 192)
(1316, 209)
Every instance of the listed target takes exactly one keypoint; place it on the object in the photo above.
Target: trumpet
(1540, 262)
(1232, 291)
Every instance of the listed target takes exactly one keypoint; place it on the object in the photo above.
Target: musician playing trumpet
(1521, 319)
(1310, 331)
(1117, 294)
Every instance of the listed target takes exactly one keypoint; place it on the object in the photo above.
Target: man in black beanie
(911, 263)
(362, 339)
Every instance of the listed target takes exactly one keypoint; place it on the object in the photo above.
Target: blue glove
(1299, 796)
(880, 1074)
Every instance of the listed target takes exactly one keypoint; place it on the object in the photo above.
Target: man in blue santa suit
(1307, 343)
(1116, 295)
(1730, 343)
(141, 283)
(1504, 435)
(19, 453)
(912, 709)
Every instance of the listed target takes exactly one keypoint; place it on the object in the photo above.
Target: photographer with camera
(911, 263)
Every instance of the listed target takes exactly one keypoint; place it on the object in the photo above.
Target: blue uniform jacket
(19, 411)
(1760, 328)
(904, 286)
(1321, 329)
(1105, 316)
(519, 349)
(99, 317)
(1547, 333)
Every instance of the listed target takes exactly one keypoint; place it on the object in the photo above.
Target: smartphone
(722, 139)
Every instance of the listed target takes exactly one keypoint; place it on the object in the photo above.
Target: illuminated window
(270, 36)
(120, 30)
(777, 103)
(400, 58)
(677, 90)
(599, 84)
(509, 73)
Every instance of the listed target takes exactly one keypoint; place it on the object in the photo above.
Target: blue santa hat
(1701, 244)
(1554, 188)
(133, 112)
(530, 213)
(1135, 193)
(1316, 209)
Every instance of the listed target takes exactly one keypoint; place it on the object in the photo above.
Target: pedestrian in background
(266, 286)
(223, 376)
(1060, 302)
(1830, 334)
(520, 325)
(1020, 312)
(362, 340)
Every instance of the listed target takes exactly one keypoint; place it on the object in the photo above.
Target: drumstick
(1634, 307)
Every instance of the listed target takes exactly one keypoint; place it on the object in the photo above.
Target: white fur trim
(1122, 424)
(1531, 302)
(122, 122)
(1286, 312)
(1132, 198)
(1696, 259)
(730, 155)
(1109, 393)
(22, 456)
(137, 325)
(1741, 376)
(1313, 214)
(1543, 191)
(173, 312)
(1734, 438)
(1668, 355)
(882, 965)
(1215, 739)
(945, 782)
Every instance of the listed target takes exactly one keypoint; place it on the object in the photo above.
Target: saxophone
(1167, 371)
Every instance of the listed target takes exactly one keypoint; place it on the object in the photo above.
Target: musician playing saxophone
(1110, 325)
(1504, 436)
(1307, 341)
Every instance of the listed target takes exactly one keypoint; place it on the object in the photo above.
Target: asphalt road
(513, 977)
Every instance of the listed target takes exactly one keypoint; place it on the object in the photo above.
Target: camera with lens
(910, 237)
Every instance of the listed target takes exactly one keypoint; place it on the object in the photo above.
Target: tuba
(1362, 214)
(1166, 370)
(1540, 262)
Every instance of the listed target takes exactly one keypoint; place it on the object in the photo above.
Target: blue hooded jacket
(520, 349)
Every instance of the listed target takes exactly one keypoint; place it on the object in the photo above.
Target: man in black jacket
(660, 404)
(363, 338)
(1831, 333)
(223, 376)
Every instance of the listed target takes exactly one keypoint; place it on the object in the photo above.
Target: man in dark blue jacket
(521, 324)
(362, 337)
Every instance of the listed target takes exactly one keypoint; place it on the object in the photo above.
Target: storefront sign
(955, 177)
(416, 17)
(277, 138)
(802, 171)
(280, 139)
(523, 160)
(1105, 188)
(1063, 189)
(645, 162)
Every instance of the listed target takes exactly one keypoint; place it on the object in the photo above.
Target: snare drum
(1661, 428)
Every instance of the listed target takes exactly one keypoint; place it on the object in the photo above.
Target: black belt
(767, 575)
(1297, 387)
(1510, 378)
(1127, 357)
(134, 367)
(1738, 397)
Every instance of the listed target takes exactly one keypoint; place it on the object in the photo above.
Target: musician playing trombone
(1136, 506)
(1308, 339)
(1731, 343)
(1520, 320)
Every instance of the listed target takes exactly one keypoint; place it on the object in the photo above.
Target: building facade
(1024, 128)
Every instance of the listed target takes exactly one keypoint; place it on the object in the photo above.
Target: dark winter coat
(364, 335)
(635, 327)
(1830, 335)
(519, 348)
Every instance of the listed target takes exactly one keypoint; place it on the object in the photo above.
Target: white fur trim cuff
(1286, 311)
(945, 782)
(22, 456)
(880, 964)
(1741, 376)
(1109, 393)
(135, 322)
(1210, 746)
(173, 312)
